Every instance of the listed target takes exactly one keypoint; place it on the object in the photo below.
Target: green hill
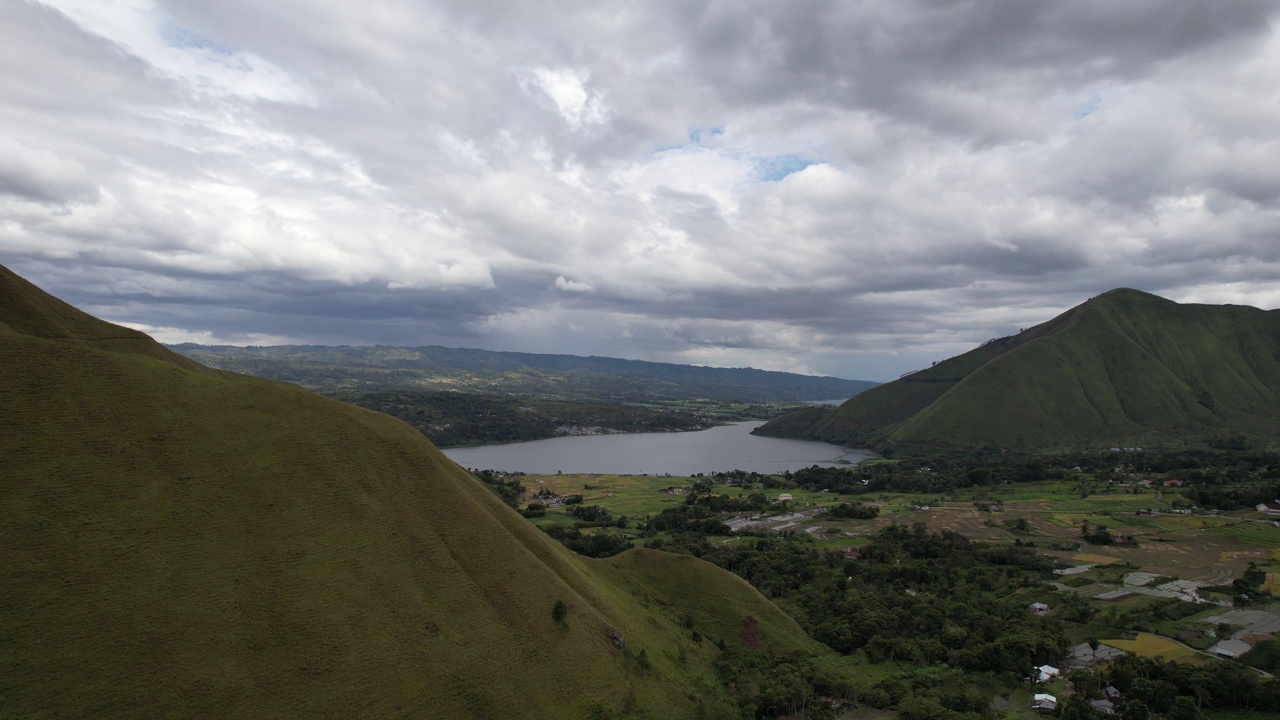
(1125, 369)
(182, 542)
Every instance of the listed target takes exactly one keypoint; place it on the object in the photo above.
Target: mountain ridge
(1125, 368)
(553, 376)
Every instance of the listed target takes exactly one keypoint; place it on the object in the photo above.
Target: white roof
(1048, 669)
(1045, 696)
(1231, 648)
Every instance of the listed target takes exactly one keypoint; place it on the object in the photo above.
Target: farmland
(1206, 548)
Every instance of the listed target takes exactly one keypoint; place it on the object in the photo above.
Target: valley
(248, 545)
(1166, 586)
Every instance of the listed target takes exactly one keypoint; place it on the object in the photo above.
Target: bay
(728, 447)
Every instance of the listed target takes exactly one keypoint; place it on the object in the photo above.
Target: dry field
(1148, 645)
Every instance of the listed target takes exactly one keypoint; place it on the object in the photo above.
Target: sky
(845, 188)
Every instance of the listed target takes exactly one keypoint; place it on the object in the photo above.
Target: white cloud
(825, 186)
(175, 336)
(572, 285)
(580, 106)
(142, 28)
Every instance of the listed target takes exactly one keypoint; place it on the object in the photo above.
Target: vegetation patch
(1151, 646)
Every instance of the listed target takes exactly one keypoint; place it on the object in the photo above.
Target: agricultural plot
(1151, 646)
(1249, 622)
(1208, 550)
(1255, 533)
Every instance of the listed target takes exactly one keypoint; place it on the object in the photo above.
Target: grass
(639, 495)
(180, 543)
(1151, 646)
(1123, 369)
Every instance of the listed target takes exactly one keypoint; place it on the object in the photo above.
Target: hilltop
(1124, 369)
(181, 541)
(552, 377)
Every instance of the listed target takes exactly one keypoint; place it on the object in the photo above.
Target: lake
(728, 447)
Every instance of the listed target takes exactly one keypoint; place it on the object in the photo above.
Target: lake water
(728, 447)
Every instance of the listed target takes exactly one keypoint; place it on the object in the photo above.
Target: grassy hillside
(182, 543)
(1125, 369)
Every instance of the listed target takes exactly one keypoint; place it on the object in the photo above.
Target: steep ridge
(179, 543)
(27, 310)
(1124, 369)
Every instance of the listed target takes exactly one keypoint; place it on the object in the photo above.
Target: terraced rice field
(1250, 533)
(1095, 558)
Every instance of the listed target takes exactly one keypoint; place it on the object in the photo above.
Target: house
(1044, 702)
(785, 497)
(1038, 608)
(1271, 508)
(1112, 693)
(1106, 707)
(1046, 673)
(1173, 482)
(852, 554)
(1230, 648)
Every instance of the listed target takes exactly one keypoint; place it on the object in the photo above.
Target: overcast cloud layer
(848, 188)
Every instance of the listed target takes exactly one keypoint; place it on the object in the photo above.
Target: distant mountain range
(1125, 369)
(180, 541)
(553, 377)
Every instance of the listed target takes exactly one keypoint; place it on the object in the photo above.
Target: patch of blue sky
(697, 134)
(774, 169)
(179, 37)
(1088, 105)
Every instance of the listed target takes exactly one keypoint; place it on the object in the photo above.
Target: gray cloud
(850, 188)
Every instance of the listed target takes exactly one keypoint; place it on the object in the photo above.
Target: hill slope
(179, 542)
(559, 377)
(1124, 369)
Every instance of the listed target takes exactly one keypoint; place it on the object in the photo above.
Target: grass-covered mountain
(177, 541)
(552, 377)
(1125, 369)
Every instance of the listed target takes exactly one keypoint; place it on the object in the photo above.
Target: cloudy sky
(852, 188)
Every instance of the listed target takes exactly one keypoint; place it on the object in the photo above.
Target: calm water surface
(729, 447)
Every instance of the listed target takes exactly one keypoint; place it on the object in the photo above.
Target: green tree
(559, 611)
(1135, 710)
(1184, 708)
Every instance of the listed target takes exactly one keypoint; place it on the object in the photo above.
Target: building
(1271, 508)
(1230, 648)
(785, 497)
(1105, 707)
(1046, 673)
(1044, 702)
(1038, 608)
